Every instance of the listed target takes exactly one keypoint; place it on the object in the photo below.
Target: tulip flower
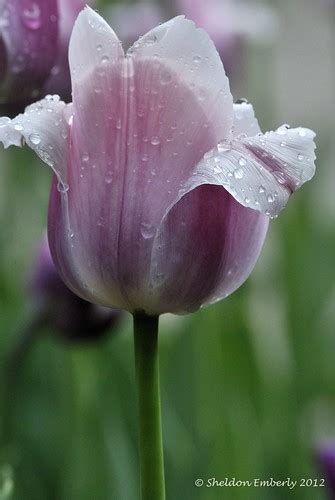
(34, 39)
(27, 30)
(325, 457)
(163, 188)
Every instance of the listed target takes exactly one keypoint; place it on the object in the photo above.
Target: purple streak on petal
(206, 248)
(28, 31)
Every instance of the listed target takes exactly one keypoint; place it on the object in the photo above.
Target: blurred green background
(248, 385)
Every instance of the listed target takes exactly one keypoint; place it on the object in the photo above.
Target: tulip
(163, 188)
(27, 30)
(69, 316)
(34, 39)
(325, 456)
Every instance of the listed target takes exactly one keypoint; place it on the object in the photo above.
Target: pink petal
(44, 128)
(140, 125)
(205, 249)
(261, 171)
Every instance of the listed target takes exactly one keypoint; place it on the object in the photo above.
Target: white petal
(245, 121)
(188, 52)
(44, 128)
(260, 172)
(93, 43)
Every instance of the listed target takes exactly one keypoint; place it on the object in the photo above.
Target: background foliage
(248, 385)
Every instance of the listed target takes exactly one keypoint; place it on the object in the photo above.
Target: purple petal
(44, 128)
(205, 249)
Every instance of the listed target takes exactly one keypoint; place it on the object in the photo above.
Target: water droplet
(197, 59)
(217, 169)
(18, 127)
(223, 147)
(85, 157)
(109, 177)
(261, 189)
(35, 139)
(62, 187)
(104, 59)
(147, 230)
(145, 157)
(238, 173)
(247, 200)
(242, 161)
(99, 47)
(155, 141)
(300, 156)
(165, 77)
(302, 132)
(118, 124)
(31, 16)
(150, 40)
(270, 198)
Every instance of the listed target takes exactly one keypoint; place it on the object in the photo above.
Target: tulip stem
(150, 427)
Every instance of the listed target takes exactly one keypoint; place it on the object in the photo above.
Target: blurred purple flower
(69, 316)
(163, 188)
(28, 48)
(230, 23)
(34, 39)
(325, 457)
(133, 20)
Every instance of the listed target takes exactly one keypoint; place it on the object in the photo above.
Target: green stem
(150, 427)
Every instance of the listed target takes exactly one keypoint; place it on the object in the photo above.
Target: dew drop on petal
(35, 139)
(242, 161)
(31, 16)
(238, 173)
(147, 230)
(197, 59)
(85, 157)
(300, 157)
(155, 141)
(261, 189)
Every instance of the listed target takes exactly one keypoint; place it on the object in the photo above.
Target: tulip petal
(205, 249)
(93, 43)
(245, 121)
(44, 128)
(188, 52)
(261, 171)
